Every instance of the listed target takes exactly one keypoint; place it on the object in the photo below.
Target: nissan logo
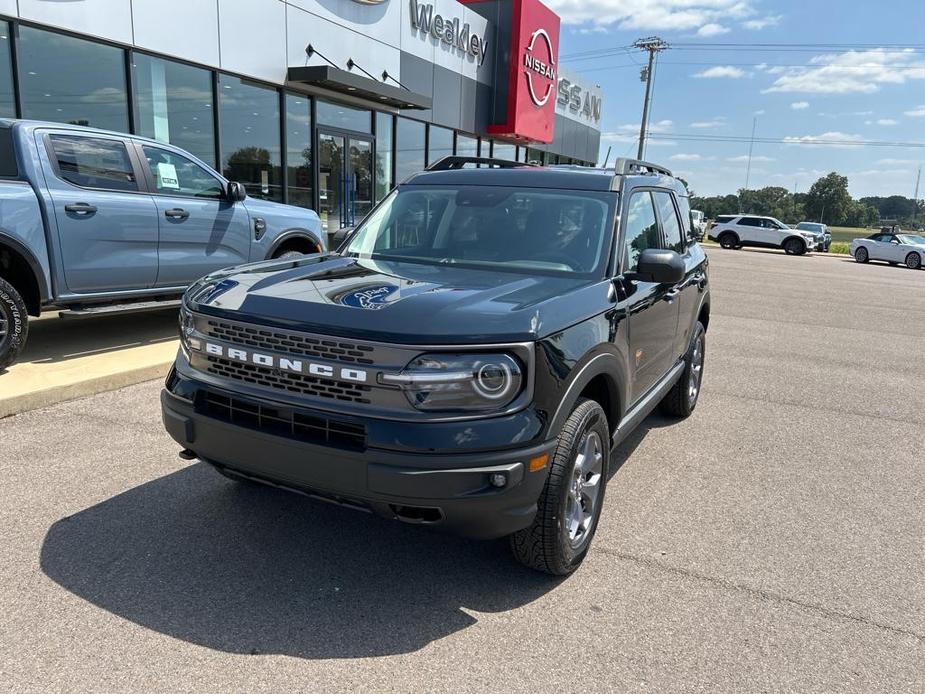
(543, 69)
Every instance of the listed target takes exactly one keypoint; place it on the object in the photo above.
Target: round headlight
(493, 380)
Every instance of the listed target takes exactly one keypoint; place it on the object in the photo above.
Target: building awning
(349, 83)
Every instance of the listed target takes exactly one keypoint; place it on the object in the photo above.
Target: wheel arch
(599, 379)
(20, 267)
(295, 239)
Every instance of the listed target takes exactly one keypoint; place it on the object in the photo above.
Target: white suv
(736, 231)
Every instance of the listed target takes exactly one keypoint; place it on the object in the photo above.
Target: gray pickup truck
(94, 221)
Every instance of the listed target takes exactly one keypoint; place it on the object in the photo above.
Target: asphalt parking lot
(775, 541)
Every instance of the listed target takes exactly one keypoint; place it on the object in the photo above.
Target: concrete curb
(46, 397)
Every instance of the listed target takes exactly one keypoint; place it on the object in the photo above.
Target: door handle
(672, 294)
(80, 208)
(176, 213)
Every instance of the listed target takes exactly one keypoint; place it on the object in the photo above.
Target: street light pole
(653, 45)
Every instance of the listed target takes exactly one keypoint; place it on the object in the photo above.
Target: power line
(690, 137)
(652, 45)
(762, 47)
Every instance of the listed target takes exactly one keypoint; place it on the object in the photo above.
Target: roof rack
(629, 166)
(448, 163)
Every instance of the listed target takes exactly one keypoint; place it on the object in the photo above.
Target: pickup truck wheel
(861, 255)
(14, 324)
(913, 261)
(681, 400)
(570, 504)
(728, 240)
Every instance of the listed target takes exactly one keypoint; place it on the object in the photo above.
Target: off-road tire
(290, 255)
(914, 261)
(679, 402)
(861, 255)
(545, 545)
(728, 240)
(14, 324)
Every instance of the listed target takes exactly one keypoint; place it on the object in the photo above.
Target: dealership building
(320, 103)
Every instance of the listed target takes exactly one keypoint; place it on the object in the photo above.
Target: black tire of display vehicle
(289, 255)
(794, 247)
(728, 240)
(914, 261)
(14, 324)
(582, 453)
(681, 400)
(861, 255)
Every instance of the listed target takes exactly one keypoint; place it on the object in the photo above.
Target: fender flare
(40, 279)
(290, 234)
(607, 364)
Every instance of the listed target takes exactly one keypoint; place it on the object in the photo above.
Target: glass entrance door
(345, 180)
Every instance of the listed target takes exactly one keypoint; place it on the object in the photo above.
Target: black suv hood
(404, 302)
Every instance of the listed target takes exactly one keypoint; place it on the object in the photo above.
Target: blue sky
(867, 84)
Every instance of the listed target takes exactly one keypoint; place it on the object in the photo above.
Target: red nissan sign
(532, 77)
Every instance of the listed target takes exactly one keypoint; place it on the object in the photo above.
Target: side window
(671, 227)
(92, 162)
(687, 217)
(176, 175)
(750, 222)
(641, 230)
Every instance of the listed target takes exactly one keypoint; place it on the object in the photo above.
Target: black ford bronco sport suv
(468, 359)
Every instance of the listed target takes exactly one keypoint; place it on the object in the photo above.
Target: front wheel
(794, 247)
(14, 324)
(290, 255)
(728, 240)
(913, 261)
(861, 255)
(569, 506)
(681, 400)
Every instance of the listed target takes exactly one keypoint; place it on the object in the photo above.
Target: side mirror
(660, 266)
(336, 239)
(235, 191)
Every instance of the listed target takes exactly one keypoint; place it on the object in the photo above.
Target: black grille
(291, 343)
(292, 382)
(311, 428)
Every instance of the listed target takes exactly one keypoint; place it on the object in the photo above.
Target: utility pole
(915, 196)
(653, 45)
(751, 147)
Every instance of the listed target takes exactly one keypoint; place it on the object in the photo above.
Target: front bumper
(450, 491)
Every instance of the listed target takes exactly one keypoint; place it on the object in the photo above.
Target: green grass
(849, 234)
(839, 246)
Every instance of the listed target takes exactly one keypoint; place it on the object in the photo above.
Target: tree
(828, 200)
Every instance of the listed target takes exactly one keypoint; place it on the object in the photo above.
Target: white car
(736, 231)
(699, 223)
(893, 247)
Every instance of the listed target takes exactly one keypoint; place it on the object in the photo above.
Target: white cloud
(665, 15)
(712, 29)
(895, 162)
(851, 72)
(685, 157)
(762, 22)
(827, 139)
(916, 112)
(760, 112)
(887, 121)
(721, 71)
(629, 132)
(744, 158)
(716, 122)
(799, 105)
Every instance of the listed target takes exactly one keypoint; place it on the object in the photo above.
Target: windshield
(809, 226)
(912, 238)
(513, 229)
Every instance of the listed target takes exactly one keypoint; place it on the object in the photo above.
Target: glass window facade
(299, 150)
(70, 80)
(267, 137)
(439, 143)
(409, 148)
(384, 183)
(344, 117)
(467, 146)
(250, 133)
(7, 98)
(173, 103)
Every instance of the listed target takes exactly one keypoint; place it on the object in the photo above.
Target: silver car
(820, 232)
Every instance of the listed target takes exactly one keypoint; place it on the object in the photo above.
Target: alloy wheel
(696, 372)
(585, 488)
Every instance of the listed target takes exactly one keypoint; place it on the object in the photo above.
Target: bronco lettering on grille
(297, 366)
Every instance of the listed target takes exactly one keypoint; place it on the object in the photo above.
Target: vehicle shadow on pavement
(243, 568)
